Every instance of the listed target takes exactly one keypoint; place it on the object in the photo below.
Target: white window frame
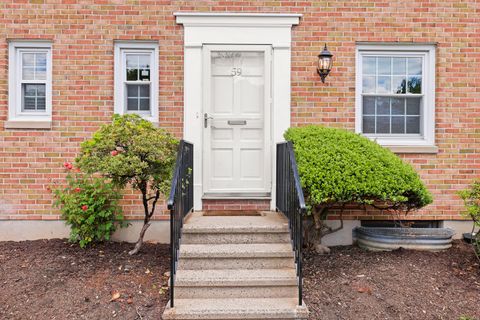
(17, 118)
(427, 123)
(121, 49)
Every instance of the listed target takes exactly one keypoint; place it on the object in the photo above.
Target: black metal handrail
(180, 203)
(291, 202)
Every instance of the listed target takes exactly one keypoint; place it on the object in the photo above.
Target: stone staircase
(236, 267)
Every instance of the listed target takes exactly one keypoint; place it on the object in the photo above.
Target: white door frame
(267, 119)
(201, 29)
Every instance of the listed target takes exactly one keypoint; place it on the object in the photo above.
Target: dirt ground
(56, 280)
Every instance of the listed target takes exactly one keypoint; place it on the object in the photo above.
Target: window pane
(368, 124)
(413, 106)
(132, 90)
(383, 105)
(399, 85)
(398, 124)
(144, 91)
(384, 66)
(384, 84)
(144, 104)
(413, 124)
(132, 104)
(28, 59)
(41, 104)
(399, 66)
(144, 62)
(415, 84)
(145, 74)
(369, 65)
(383, 124)
(33, 97)
(132, 61)
(369, 84)
(40, 73)
(132, 74)
(415, 66)
(398, 106)
(28, 73)
(368, 105)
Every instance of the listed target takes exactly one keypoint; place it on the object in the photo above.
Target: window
(395, 94)
(136, 79)
(30, 84)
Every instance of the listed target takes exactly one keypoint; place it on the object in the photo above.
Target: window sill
(413, 149)
(28, 124)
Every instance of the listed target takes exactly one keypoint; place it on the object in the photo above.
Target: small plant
(89, 205)
(471, 198)
(131, 151)
(338, 168)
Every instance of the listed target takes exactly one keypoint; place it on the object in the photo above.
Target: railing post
(291, 202)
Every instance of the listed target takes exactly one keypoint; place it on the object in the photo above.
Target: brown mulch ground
(352, 283)
(55, 280)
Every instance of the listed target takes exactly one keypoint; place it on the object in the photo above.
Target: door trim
(267, 119)
(242, 28)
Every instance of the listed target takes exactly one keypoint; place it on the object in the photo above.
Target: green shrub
(89, 205)
(131, 150)
(338, 167)
(471, 198)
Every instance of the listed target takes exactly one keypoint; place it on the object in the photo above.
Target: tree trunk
(139, 243)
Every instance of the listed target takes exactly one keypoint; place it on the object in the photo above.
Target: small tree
(132, 151)
(338, 167)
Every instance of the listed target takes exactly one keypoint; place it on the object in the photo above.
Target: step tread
(236, 277)
(237, 308)
(236, 224)
(243, 250)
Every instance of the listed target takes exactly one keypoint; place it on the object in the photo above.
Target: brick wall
(82, 33)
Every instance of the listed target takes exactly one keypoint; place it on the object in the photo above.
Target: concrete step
(272, 283)
(235, 256)
(245, 308)
(255, 250)
(234, 237)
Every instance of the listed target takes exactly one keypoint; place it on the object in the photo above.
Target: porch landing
(236, 267)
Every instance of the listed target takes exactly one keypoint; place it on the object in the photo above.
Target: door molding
(236, 29)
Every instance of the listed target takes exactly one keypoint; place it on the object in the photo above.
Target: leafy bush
(89, 205)
(337, 167)
(130, 150)
(471, 198)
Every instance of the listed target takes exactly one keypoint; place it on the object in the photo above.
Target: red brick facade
(83, 33)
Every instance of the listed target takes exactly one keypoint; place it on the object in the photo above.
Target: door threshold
(237, 196)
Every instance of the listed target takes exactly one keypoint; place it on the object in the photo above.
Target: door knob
(206, 117)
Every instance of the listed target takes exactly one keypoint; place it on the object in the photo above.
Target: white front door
(237, 98)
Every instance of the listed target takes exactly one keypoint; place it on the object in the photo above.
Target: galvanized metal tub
(386, 239)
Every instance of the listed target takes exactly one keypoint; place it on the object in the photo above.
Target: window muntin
(136, 79)
(137, 82)
(30, 81)
(392, 94)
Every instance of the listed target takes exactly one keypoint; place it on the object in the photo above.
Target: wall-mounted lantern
(325, 60)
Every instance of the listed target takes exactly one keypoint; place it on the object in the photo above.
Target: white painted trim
(15, 112)
(121, 47)
(235, 28)
(427, 51)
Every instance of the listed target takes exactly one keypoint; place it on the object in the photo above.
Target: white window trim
(119, 89)
(16, 117)
(427, 139)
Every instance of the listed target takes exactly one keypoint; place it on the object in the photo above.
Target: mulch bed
(56, 280)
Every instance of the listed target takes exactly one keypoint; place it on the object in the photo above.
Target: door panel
(237, 127)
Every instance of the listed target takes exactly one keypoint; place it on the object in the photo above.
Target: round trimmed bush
(338, 166)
